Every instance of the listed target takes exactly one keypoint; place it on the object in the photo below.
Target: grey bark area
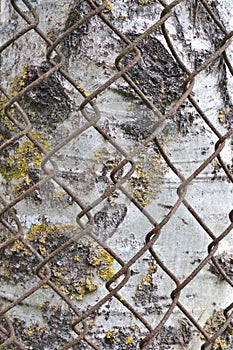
(95, 215)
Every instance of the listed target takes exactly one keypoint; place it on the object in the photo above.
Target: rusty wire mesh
(13, 236)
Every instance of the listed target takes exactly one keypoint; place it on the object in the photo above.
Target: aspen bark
(85, 165)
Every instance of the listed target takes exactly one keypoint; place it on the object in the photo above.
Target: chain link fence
(70, 179)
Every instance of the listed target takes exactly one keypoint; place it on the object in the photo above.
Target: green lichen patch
(76, 270)
(212, 325)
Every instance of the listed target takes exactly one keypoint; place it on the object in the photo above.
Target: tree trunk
(116, 173)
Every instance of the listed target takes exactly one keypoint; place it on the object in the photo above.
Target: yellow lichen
(109, 6)
(147, 280)
(99, 155)
(40, 329)
(50, 34)
(42, 250)
(43, 238)
(29, 330)
(24, 157)
(103, 260)
(145, 2)
(3, 102)
(5, 270)
(81, 293)
(90, 286)
(110, 336)
(19, 246)
(212, 325)
(222, 115)
(106, 273)
(121, 17)
(35, 330)
(105, 256)
(152, 268)
(16, 85)
(68, 272)
(44, 304)
(64, 290)
(19, 81)
(57, 195)
(40, 231)
(145, 183)
(84, 286)
(129, 340)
